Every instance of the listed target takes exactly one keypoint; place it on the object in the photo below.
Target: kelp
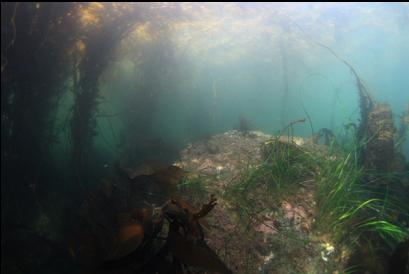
(138, 244)
(129, 237)
(98, 53)
(379, 150)
(118, 235)
(325, 133)
(167, 177)
(366, 102)
(35, 64)
(289, 129)
(285, 98)
(244, 126)
(47, 50)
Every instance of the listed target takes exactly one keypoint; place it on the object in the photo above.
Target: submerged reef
(288, 205)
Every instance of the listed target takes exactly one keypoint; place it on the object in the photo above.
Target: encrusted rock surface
(275, 240)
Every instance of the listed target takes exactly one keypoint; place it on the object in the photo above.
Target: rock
(379, 152)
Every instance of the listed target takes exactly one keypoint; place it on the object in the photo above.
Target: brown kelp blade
(107, 187)
(197, 255)
(151, 223)
(166, 176)
(206, 208)
(84, 248)
(170, 175)
(141, 170)
(129, 238)
(194, 214)
(147, 168)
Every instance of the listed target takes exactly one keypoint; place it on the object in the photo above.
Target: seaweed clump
(323, 133)
(244, 126)
(379, 150)
(136, 238)
(93, 58)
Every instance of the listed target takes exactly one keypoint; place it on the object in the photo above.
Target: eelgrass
(338, 194)
(194, 186)
(349, 207)
(284, 164)
(386, 229)
(353, 208)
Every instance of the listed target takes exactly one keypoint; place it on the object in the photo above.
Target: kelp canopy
(52, 59)
(70, 46)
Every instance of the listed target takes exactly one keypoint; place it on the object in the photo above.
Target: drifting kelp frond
(144, 239)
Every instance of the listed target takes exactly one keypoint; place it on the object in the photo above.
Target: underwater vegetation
(356, 214)
(118, 154)
(244, 126)
(128, 236)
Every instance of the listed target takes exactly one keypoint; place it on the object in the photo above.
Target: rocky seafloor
(275, 236)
